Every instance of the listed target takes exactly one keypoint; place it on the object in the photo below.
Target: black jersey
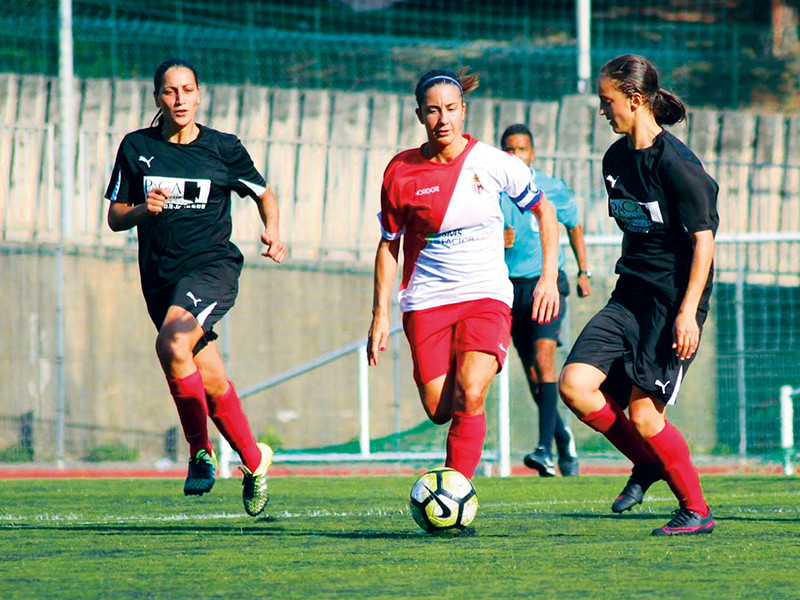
(658, 196)
(195, 226)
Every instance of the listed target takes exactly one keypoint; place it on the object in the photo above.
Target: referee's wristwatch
(586, 272)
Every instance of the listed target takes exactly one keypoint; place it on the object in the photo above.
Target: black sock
(548, 413)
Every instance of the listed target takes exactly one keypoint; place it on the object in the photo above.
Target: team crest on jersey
(638, 217)
(477, 186)
(184, 193)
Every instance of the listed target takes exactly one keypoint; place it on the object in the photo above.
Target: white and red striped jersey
(450, 217)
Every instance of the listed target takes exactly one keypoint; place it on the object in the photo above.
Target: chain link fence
(718, 53)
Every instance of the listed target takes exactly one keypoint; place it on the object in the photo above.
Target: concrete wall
(324, 152)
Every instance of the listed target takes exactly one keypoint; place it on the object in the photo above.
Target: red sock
(676, 460)
(189, 395)
(227, 414)
(613, 423)
(465, 442)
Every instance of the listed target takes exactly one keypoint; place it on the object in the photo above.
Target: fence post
(363, 400)
(503, 424)
(787, 428)
(741, 384)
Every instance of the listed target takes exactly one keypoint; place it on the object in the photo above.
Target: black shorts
(525, 331)
(208, 293)
(630, 340)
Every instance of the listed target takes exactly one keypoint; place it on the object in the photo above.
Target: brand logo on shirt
(427, 190)
(146, 161)
(183, 193)
(194, 298)
(612, 180)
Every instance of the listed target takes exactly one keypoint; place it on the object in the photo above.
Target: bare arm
(686, 331)
(545, 296)
(578, 245)
(386, 261)
(270, 216)
(123, 216)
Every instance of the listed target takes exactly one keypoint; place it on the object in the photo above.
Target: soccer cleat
(567, 455)
(568, 466)
(687, 522)
(254, 485)
(541, 461)
(201, 476)
(642, 477)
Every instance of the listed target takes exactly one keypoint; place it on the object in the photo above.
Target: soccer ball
(443, 501)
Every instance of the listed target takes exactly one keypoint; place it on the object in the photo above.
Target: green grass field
(353, 537)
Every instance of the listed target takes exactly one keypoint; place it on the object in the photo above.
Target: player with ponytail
(636, 351)
(443, 200)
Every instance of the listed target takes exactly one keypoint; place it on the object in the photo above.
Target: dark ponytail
(158, 79)
(635, 74)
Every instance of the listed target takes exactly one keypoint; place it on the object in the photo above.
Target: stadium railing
(227, 457)
(787, 395)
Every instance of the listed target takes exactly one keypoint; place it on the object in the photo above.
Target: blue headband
(453, 80)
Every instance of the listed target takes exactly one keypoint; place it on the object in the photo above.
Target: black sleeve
(119, 185)
(696, 193)
(243, 177)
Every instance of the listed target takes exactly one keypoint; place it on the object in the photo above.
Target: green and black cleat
(202, 473)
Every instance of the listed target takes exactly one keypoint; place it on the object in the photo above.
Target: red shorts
(437, 335)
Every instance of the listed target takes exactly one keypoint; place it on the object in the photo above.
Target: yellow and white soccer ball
(443, 501)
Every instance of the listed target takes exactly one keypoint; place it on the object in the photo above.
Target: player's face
(178, 97)
(443, 114)
(519, 145)
(615, 106)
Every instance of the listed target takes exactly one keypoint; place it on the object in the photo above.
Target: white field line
(78, 519)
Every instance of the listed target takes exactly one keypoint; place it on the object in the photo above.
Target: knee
(471, 398)
(570, 387)
(646, 423)
(171, 347)
(439, 419)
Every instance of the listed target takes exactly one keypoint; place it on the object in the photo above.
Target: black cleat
(687, 522)
(541, 461)
(642, 477)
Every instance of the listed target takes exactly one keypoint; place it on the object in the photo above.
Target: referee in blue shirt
(536, 342)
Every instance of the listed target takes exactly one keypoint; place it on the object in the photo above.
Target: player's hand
(508, 236)
(546, 300)
(584, 286)
(686, 335)
(156, 199)
(377, 338)
(276, 250)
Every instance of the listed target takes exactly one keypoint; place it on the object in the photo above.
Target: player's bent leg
(467, 433)
(225, 407)
(176, 338)
(436, 397)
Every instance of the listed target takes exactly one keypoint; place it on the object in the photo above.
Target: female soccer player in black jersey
(173, 181)
(635, 352)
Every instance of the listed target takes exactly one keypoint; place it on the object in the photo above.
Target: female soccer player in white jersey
(635, 352)
(173, 181)
(443, 200)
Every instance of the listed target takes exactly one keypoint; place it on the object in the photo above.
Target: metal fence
(713, 52)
